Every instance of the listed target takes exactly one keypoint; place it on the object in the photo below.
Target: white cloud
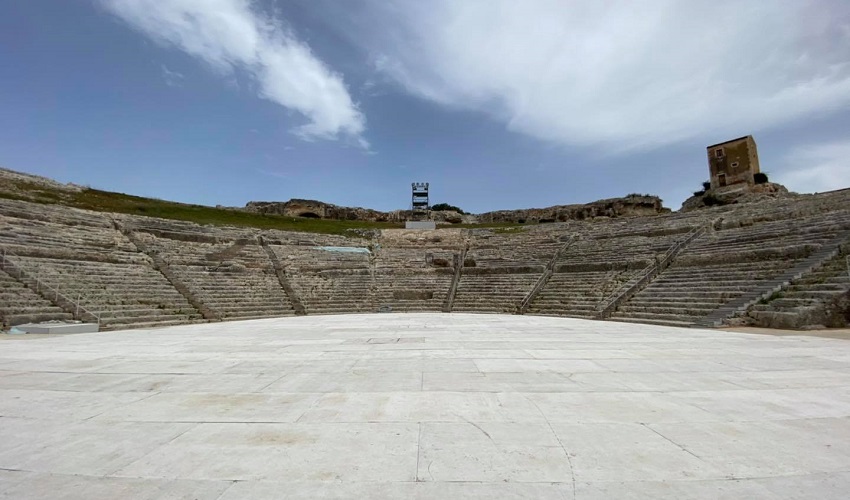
(232, 35)
(619, 74)
(816, 168)
(172, 78)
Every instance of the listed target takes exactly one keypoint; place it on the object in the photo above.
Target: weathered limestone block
(629, 206)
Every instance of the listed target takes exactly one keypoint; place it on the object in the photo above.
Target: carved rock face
(737, 194)
(615, 207)
(629, 206)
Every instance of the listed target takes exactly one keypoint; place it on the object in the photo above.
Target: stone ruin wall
(629, 206)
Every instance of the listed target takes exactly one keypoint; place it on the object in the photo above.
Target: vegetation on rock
(447, 207)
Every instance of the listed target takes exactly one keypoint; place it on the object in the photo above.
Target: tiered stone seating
(727, 263)
(806, 300)
(20, 304)
(82, 254)
(501, 269)
(183, 230)
(619, 250)
(530, 248)
(47, 231)
(329, 280)
(227, 270)
(600, 261)
(123, 295)
(579, 294)
(235, 280)
(493, 293)
(413, 279)
(683, 294)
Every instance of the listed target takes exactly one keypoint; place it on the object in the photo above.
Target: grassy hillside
(40, 190)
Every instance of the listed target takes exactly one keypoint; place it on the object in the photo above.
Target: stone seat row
(579, 294)
(806, 300)
(65, 216)
(230, 295)
(321, 294)
(19, 304)
(673, 299)
(498, 293)
(403, 292)
(100, 289)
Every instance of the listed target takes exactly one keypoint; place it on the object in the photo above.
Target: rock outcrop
(21, 186)
(628, 206)
(321, 210)
(736, 194)
(318, 210)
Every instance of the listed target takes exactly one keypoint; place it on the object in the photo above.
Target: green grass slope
(18, 186)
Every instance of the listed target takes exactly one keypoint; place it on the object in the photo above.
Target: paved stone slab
(22, 485)
(300, 452)
(425, 406)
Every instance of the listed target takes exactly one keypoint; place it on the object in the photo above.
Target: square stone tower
(733, 162)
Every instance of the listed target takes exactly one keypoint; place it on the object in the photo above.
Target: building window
(718, 153)
(734, 164)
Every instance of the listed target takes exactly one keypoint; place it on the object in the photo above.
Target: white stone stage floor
(424, 406)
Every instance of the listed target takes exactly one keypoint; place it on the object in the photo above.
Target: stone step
(240, 309)
(791, 301)
(487, 296)
(779, 319)
(415, 308)
(648, 301)
(691, 310)
(23, 297)
(350, 307)
(832, 283)
(811, 294)
(349, 300)
(569, 297)
(654, 321)
(586, 306)
(35, 317)
(550, 302)
(728, 280)
(260, 315)
(565, 314)
(108, 315)
(152, 318)
(656, 316)
(11, 284)
(707, 286)
(485, 309)
(837, 287)
(702, 296)
(151, 324)
(113, 303)
(29, 308)
(245, 298)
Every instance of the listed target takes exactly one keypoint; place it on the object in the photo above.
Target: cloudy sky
(497, 103)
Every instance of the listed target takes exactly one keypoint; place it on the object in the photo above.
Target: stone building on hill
(733, 162)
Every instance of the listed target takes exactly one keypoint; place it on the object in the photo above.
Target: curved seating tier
(727, 263)
(579, 294)
(808, 299)
(19, 304)
(493, 293)
(328, 281)
(234, 279)
(121, 295)
(44, 231)
(139, 271)
(414, 277)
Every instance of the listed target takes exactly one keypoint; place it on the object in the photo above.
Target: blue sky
(498, 104)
